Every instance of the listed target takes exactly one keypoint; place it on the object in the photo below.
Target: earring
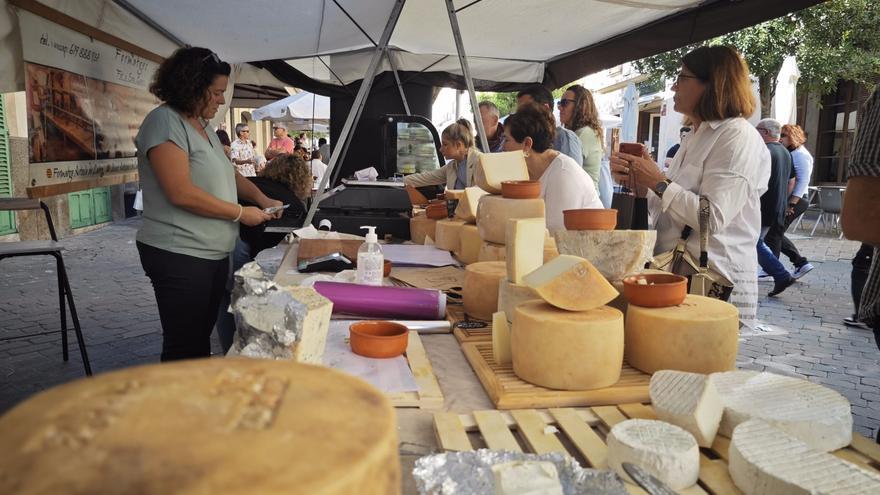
(525, 154)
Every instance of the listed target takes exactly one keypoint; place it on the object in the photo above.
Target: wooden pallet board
(455, 314)
(507, 391)
(581, 434)
(429, 395)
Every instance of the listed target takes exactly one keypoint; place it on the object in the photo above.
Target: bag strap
(704, 232)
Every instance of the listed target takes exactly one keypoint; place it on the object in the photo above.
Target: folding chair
(51, 248)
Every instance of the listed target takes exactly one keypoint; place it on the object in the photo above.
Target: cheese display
(526, 478)
(524, 241)
(500, 338)
(494, 168)
(454, 193)
(700, 335)
(765, 460)
(469, 244)
(614, 253)
(550, 250)
(511, 295)
(447, 234)
(567, 350)
(495, 211)
(421, 227)
(571, 283)
(236, 426)
(282, 323)
(665, 451)
(817, 415)
(480, 290)
(467, 204)
(688, 400)
(489, 251)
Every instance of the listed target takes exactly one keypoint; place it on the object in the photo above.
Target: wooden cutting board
(312, 248)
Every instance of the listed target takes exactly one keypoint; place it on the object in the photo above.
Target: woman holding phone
(723, 159)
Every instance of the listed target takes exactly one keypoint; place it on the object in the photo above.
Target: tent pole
(397, 80)
(466, 70)
(131, 9)
(357, 108)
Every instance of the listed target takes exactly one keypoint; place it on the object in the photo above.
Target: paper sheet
(388, 375)
(417, 255)
(443, 278)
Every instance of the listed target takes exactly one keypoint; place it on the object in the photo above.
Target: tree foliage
(506, 102)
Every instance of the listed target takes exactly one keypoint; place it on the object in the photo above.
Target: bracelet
(240, 211)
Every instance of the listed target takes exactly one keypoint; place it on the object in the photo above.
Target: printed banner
(85, 101)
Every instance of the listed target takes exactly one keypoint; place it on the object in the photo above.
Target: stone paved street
(803, 332)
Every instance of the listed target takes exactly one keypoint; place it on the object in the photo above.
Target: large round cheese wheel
(447, 234)
(699, 335)
(567, 350)
(480, 290)
(236, 426)
(494, 212)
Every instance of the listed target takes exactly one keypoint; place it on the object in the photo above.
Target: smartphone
(272, 209)
(636, 149)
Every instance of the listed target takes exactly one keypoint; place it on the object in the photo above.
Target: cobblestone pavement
(803, 333)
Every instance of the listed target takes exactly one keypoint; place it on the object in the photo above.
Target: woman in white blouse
(564, 184)
(242, 151)
(723, 159)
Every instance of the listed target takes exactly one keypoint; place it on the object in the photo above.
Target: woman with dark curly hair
(191, 192)
(578, 112)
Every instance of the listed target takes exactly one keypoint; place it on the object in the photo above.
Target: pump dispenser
(370, 262)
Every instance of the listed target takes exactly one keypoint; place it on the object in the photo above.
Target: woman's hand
(251, 216)
(639, 171)
(267, 202)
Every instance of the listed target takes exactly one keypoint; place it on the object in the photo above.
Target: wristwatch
(661, 186)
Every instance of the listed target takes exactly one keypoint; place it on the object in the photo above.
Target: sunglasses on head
(212, 57)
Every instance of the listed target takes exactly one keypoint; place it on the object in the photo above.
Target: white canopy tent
(302, 107)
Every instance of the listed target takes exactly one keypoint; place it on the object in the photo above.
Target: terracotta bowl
(436, 211)
(378, 339)
(386, 268)
(655, 290)
(520, 189)
(590, 219)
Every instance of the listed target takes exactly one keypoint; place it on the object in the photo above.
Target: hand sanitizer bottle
(370, 262)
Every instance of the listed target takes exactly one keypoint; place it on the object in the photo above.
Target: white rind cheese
(526, 478)
(726, 382)
(495, 211)
(524, 241)
(500, 338)
(817, 415)
(494, 168)
(688, 400)
(765, 460)
(615, 253)
(666, 451)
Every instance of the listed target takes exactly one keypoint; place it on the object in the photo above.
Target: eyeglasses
(245, 130)
(682, 75)
(564, 102)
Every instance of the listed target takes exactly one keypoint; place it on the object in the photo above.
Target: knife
(649, 483)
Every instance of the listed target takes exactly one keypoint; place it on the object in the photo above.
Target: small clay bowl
(590, 219)
(436, 211)
(659, 290)
(378, 339)
(386, 268)
(520, 189)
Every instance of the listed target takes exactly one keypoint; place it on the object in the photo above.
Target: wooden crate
(582, 434)
(429, 395)
(507, 391)
(455, 314)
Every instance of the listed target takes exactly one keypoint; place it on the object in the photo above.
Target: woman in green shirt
(191, 192)
(578, 112)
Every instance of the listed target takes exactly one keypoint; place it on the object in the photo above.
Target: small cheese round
(567, 350)
(235, 426)
(665, 451)
(480, 290)
(700, 335)
(447, 234)
(489, 251)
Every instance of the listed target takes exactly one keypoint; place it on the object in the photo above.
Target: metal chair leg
(79, 335)
(815, 225)
(62, 308)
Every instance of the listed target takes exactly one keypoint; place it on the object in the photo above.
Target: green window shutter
(7, 218)
(81, 209)
(101, 200)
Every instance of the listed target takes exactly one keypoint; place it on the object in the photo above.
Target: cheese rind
(468, 203)
(526, 478)
(571, 283)
(687, 400)
(817, 415)
(764, 460)
(480, 291)
(700, 335)
(495, 211)
(511, 295)
(615, 253)
(421, 227)
(567, 350)
(500, 338)
(448, 234)
(665, 451)
(489, 251)
(524, 241)
(469, 243)
(494, 168)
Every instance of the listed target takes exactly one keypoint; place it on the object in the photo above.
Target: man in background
(280, 143)
(490, 116)
(324, 148)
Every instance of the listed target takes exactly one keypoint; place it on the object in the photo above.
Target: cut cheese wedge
(526, 478)
(550, 251)
(480, 291)
(765, 460)
(524, 241)
(468, 203)
(469, 243)
(615, 253)
(665, 451)
(489, 251)
(567, 350)
(495, 211)
(511, 295)
(448, 234)
(571, 283)
(454, 193)
(817, 415)
(500, 338)
(494, 168)
(688, 400)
